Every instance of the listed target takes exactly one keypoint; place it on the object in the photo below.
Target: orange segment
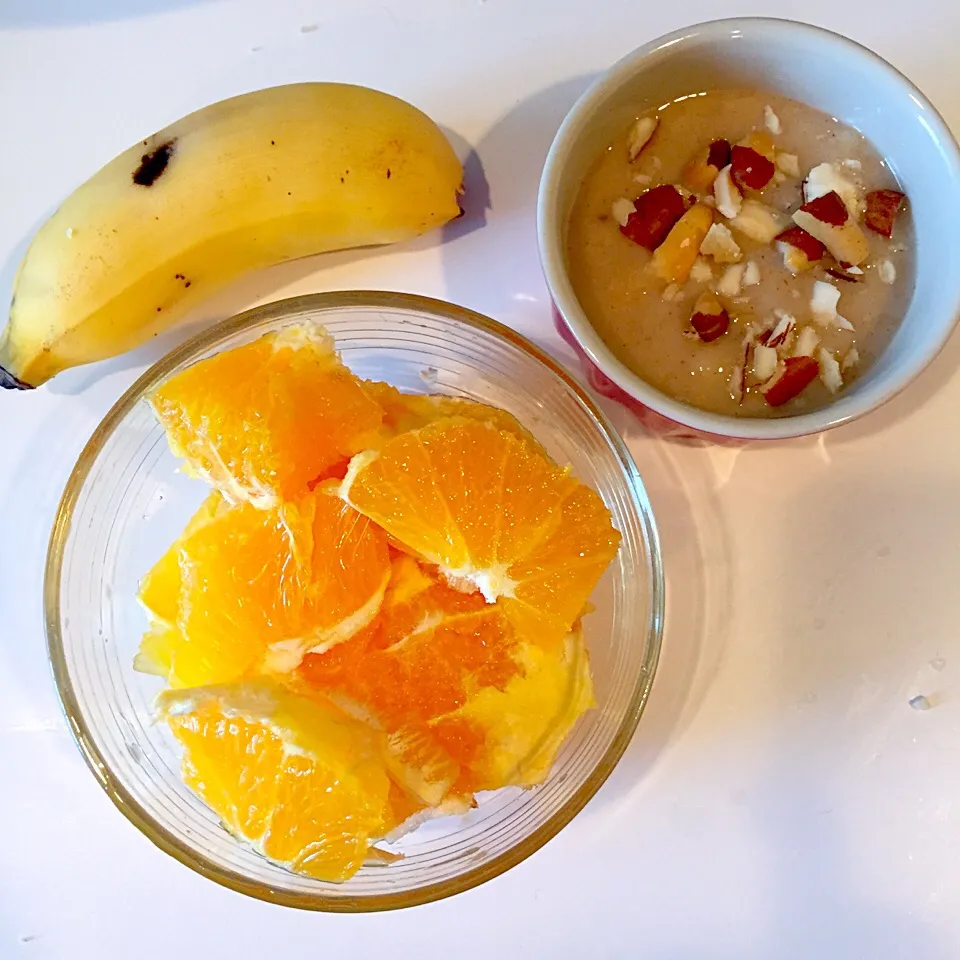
(292, 775)
(526, 722)
(160, 589)
(263, 420)
(410, 411)
(490, 510)
(466, 705)
(431, 650)
(257, 588)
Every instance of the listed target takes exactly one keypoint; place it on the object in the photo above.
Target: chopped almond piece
(750, 169)
(886, 271)
(851, 359)
(849, 274)
(799, 250)
(726, 193)
(882, 209)
(788, 163)
(655, 213)
(779, 335)
(621, 210)
(793, 376)
(771, 120)
(719, 244)
(807, 341)
(794, 259)
(823, 305)
(827, 219)
(732, 280)
(736, 383)
(797, 237)
(759, 222)
(751, 274)
(701, 271)
(765, 361)
(709, 319)
(829, 178)
(830, 370)
(639, 136)
(674, 258)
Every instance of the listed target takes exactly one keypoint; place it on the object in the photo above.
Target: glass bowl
(126, 501)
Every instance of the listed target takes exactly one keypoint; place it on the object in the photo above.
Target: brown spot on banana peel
(153, 164)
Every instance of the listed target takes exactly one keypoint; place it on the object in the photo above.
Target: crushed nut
(639, 136)
(771, 120)
(886, 271)
(720, 244)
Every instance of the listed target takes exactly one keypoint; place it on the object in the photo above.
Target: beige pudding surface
(646, 322)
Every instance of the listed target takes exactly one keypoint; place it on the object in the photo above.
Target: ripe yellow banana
(241, 184)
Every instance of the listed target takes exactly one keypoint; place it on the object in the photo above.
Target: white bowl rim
(561, 291)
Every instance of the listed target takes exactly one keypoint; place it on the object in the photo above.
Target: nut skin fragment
(793, 376)
(826, 218)
(827, 178)
(750, 169)
(840, 274)
(709, 319)
(718, 154)
(656, 212)
(674, 258)
(882, 209)
(829, 209)
(797, 237)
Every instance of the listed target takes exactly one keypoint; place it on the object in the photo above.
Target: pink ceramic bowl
(816, 67)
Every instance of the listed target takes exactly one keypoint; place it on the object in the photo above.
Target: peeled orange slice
(410, 411)
(525, 723)
(465, 703)
(493, 512)
(295, 777)
(252, 590)
(431, 648)
(262, 421)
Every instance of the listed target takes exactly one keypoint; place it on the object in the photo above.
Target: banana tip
(9, 382)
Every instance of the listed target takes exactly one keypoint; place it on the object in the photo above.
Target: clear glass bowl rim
(169, 842)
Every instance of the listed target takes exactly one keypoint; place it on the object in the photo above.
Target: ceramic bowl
(830, 73)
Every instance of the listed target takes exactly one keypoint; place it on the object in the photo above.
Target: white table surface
(781, 798)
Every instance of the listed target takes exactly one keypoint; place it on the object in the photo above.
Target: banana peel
(255, 180)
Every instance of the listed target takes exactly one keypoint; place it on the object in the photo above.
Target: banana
(244, 183)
